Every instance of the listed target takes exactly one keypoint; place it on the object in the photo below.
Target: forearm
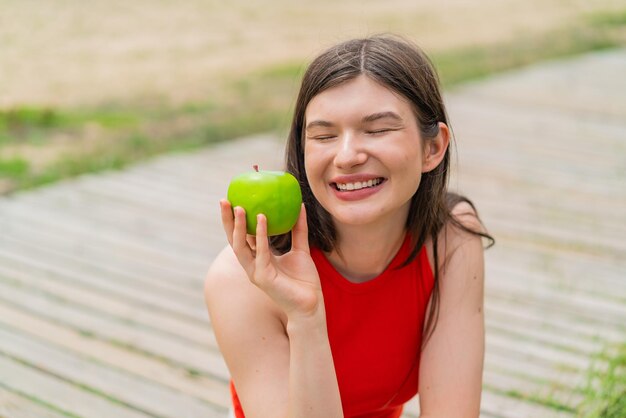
(313, 388)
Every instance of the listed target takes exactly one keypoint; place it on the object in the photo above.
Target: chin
(354, 216)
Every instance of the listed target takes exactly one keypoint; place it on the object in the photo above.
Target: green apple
(276, 194)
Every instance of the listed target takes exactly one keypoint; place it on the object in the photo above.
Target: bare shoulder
(459, 237)
(461, 233)
(465, 214)
(225, 273)
(227, 287)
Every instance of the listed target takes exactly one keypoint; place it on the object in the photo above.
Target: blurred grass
(76, 141)
(457, 66)
(605, 392)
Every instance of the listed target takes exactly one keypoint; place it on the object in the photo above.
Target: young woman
(378, 289)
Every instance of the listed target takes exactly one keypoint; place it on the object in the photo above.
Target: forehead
(356, 98)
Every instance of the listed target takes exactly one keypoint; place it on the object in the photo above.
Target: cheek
(411, 162)
(313, 171)
(313, 161)
(412, 172)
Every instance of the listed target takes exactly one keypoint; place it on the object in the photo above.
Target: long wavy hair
(404, 68)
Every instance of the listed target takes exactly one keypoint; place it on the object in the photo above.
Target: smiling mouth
(358, 185)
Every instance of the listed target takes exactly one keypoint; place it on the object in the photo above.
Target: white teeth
(358, 185)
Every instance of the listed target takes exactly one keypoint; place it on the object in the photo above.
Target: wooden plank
(511, 407)
(63, 395)
(55, 269)
(13, 405)
(504, 321)
(602, 288)
(535, 351)
(97, 232)
(589, 85)
(552, 319)
(180, 239)
(56, 251)
(580, 223)
(181, 285)
(165, 373)
(109, 382)
(85, 235)
(567, 273)
(576, 305)
(507, 383)
(487, 184)
(522, 331)
(542, 232)
(497, 405)
(192, 332)
(590, 305)
(143, 340)
(511, 363)
(118, 206)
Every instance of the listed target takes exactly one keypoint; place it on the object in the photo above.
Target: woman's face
(363, 152)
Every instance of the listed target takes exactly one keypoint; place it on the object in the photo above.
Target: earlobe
(436, 148)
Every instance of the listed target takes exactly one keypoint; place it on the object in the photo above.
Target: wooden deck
(101, 308)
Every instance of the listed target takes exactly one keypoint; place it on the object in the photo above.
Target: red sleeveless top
(375, 333)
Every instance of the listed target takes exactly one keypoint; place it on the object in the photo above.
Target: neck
(363, 253)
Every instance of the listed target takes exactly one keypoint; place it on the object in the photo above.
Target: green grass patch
(608, 19)
(17, 118)
(14, 168)
(21, 118)
(605, 391)
(292, 69)
(34, 124)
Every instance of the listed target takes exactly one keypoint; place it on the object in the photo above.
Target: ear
(435, 148)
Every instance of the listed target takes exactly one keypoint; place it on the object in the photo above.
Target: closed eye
(379, 131)
(322, 137)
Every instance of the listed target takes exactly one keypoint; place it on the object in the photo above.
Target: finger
(251, 240)
(300, 232)
(263, 254)
(228, 220)
(240, 245)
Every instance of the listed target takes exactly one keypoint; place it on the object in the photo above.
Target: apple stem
(256, 167)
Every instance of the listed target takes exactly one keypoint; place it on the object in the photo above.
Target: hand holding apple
(276, 194)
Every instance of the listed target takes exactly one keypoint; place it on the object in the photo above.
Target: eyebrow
(321, 123)
(382, 115)
(369, 118)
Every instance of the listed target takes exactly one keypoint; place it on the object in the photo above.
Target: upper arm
(250, 335)
(451, 364)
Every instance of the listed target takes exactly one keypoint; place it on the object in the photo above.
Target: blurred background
(92, 85)
(101, 308)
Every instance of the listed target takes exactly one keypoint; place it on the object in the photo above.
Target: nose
(350, 152)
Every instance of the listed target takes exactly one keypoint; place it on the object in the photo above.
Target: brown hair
(405, 69)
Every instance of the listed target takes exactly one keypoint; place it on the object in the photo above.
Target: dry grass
(75, 53)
